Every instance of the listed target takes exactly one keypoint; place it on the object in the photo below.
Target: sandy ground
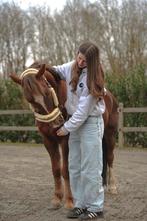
(26, 186)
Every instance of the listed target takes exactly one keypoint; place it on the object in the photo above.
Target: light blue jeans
(85, 164)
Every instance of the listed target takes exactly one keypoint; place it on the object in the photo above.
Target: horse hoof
(113, 191)
(56, 204)
(69, 205)
(53, 207)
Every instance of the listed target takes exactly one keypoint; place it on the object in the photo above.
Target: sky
(53, 4)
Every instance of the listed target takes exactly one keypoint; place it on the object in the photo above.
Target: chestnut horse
(46, 94)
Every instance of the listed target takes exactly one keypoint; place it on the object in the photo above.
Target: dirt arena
(26, 186)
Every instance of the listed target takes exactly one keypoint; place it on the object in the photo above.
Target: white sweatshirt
(80, 104)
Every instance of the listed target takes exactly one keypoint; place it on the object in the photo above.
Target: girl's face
(81, 60)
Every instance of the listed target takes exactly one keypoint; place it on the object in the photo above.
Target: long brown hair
(95, 74)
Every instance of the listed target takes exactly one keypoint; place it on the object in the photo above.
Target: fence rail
(16, 128)
(121, 128)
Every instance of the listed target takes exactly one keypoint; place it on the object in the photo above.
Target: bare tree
(120, 31)
(13, 53)
(123, 36)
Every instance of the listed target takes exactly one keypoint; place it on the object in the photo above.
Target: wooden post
(120, 126)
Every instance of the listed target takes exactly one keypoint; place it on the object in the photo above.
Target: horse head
(40, 90)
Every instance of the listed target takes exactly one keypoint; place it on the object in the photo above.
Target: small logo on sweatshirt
(81, 84)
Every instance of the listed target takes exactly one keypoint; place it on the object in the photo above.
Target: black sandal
(91, 215)
(75, 213)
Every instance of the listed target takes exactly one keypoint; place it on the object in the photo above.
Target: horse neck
(59, 87)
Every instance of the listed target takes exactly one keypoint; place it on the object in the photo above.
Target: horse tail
(104, 171)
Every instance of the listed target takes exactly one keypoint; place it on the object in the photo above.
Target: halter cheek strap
(55, 113)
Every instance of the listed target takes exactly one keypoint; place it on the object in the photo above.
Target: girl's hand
(62, 131)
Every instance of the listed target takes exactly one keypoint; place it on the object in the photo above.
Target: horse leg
(53, 150)
(110, 142)
(65, 174)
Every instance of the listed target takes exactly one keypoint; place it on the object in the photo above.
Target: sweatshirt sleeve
(63, 70)
(86, 104)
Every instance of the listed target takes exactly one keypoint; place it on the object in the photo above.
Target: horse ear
(41, 71)
(15, 78)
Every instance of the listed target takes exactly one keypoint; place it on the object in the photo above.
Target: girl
(85, 90)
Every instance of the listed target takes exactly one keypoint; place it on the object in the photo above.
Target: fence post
(120, 126)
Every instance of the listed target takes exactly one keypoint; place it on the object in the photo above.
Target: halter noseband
(55, 113)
